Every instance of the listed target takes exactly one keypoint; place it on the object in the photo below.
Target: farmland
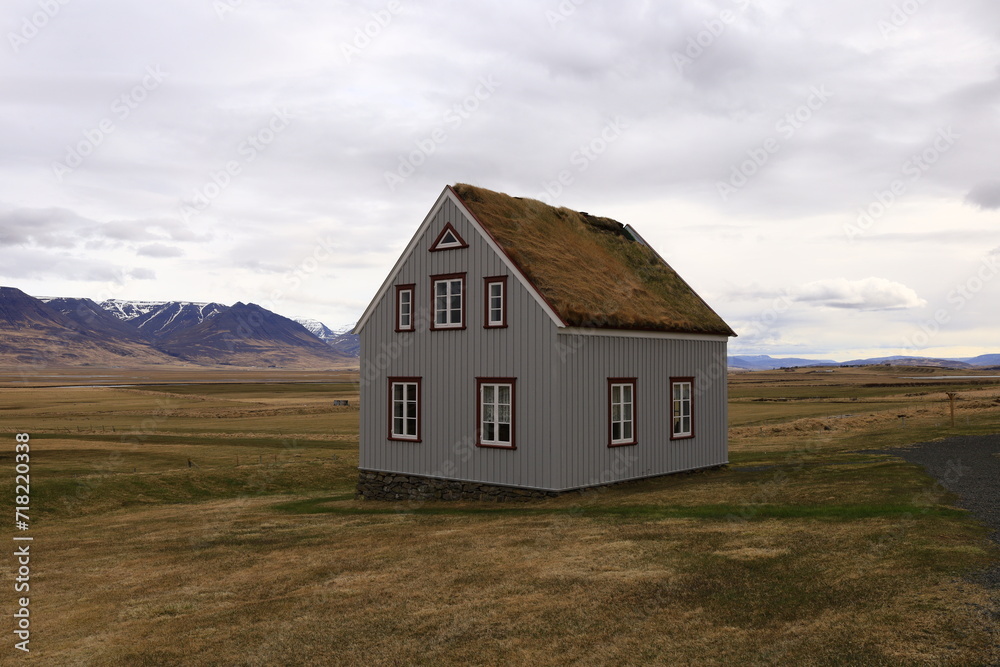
(208, 517)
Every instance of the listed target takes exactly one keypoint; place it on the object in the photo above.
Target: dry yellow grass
(801, 552)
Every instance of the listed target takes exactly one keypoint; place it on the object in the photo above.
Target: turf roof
(590, 270)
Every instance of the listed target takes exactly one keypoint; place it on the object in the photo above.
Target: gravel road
(969, 467)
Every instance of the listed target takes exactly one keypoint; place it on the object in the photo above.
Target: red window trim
(420, 407)
(448, 227)
(672, 381)
(486, 301)
(412, 288)
(635, 413)
(465, 302)
(480, 381)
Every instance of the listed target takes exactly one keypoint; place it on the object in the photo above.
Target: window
(404, 307)
(448, 296)
(495, 299)
(496, 410)
(621, 416)
(680, 397)
(448, 239)
(404, 409)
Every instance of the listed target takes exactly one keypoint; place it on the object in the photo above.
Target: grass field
(209, 518)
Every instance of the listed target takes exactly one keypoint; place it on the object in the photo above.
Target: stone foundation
(395, 486)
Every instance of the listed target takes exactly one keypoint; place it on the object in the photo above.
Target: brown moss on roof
(589, 269)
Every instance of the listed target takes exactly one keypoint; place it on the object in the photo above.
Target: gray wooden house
(518, 349)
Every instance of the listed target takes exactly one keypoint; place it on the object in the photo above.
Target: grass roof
(589, 269)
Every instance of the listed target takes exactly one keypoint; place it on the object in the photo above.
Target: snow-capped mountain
(340, 339)
(316, 328)
(127, 310)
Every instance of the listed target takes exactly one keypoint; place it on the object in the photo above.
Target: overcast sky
(824, 174)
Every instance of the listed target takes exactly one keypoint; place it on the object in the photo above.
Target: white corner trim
(633, 333)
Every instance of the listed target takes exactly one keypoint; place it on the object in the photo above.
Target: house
(517, 349)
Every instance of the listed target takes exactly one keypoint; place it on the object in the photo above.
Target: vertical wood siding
(591, 360)
(449, 362)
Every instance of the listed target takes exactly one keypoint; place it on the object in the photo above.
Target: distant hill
(984, 360)
(74, 331)
(763, 362)
(760, 362)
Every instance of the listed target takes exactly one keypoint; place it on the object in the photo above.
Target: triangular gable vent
(448, 239)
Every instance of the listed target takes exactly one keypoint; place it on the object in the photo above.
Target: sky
(825, 175)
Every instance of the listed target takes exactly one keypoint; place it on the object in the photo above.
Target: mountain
(35, 335)
(127, 310)
(174, 316)
(248, 335)
(316, 328)
(87, 315)
(62, 331)
(342, 340)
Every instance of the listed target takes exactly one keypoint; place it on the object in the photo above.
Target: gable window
(495, 297)
(404, 307)
(448, 239)
(404, 408)
(682, 408)
(448, 296)
(495, 413)
(621, 417)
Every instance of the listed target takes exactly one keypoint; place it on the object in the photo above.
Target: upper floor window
(495, 297)
(621, 424)
(404, 307)
(448, 295)
(682, 408)
(448, 239)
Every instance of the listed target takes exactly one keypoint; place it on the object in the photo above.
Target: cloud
(866, 294)
(160, 250)
(985, 195)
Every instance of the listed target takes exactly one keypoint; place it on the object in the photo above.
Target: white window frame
(408, 290)
(494, 408)
(450, 281)
(404, 402)
(678, 401)
(621, 419)
(490, 283)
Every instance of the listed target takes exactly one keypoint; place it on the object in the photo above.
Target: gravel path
(969, 467)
